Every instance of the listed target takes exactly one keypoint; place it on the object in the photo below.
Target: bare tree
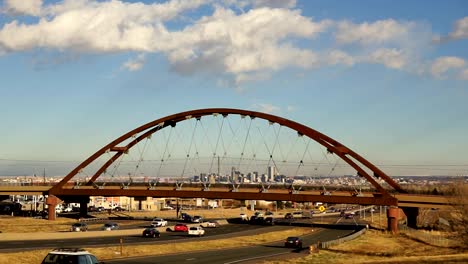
(460, 214)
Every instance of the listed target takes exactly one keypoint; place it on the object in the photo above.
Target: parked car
(151, 232)
(297, 214)
(181, 228)
(186, 217)
(197, 219)
(294, 242)
(118, 209)
(167, 207)
(70, 255)
(288, 216)
(257, 220)
(67, 210)
(110, 226)
(258, 214)
(244, 217)
(196, 231)
(269, 220)
(77, 227)
(158, 222)
(349, 215)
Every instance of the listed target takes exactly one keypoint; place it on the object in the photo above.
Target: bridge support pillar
(84, 208)
(51, 202)
(140, 200)
(393, 213)
(411, 216)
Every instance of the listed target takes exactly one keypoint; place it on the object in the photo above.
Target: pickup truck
(196, 231)
(158, 222)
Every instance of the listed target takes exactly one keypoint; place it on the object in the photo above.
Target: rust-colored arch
(332, 145)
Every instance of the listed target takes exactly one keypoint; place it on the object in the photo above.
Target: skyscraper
(271, 173)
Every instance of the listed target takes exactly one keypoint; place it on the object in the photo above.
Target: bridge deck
(242, 193)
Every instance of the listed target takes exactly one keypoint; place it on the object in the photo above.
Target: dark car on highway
(151, 232)
(186, 217)
(294, 242)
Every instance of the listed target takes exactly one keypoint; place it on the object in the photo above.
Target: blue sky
(389, 79)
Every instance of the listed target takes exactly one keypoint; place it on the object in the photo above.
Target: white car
(70, 255)
(158, 222)
(196, 231)
(244, 217)
(210, 224)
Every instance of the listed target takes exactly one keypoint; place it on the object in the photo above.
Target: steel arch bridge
(124, 143)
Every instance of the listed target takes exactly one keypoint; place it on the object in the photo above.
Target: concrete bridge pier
(140, 200)
(393, 214)
(84, 207)
(411, 216)
(51, 202)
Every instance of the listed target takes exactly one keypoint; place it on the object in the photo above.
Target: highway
(211, 233)
(236, 255)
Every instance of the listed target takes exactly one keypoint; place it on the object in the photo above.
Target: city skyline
(388, 79)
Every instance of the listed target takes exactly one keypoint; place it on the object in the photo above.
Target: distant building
(271, 173)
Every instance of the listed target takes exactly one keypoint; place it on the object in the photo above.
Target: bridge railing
(330, 243)
(94, 219)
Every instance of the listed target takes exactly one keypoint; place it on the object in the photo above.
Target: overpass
(249, 145)
(249, 192)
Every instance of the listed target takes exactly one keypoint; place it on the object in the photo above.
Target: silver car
(77, 227)
(110, 226)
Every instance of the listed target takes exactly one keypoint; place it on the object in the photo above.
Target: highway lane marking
(189, 259)
(265, 256)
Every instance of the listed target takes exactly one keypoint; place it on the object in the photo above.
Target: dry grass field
(378, 247)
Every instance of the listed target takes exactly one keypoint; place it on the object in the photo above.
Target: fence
(354, 235)
(431, 239)
(93, 219)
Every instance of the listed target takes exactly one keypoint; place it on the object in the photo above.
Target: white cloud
(243, 4)
(379, 32)
(463, 74)
(238, 44)
(391, 58)
(291, 108)
(443, 64)
(460, 30)
(90, 26)
(335, 57)
(23, 7)
(244, 44)
(135, 64)
(274, 3)
(241, 46)
(267, 108)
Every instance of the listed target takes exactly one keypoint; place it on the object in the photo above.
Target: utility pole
(218, 166)
(43, 176)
